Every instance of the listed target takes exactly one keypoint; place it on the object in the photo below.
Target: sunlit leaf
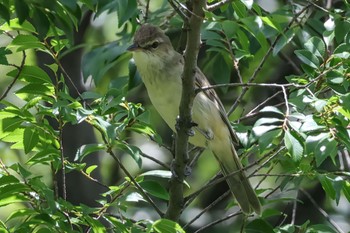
(294, 146)
(166, 226)
(308, 58)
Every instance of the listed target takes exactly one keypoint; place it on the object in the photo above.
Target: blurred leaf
(37, 89)
(158, 173)
(32, 74)
(131, 150)
(41, 23)
(22, 10)
(308, 58)
(87, 149)
(346, 190)
(91, 169)
(325, 148)
(316, 46)
(262, 129)
(23, 42)
(30, 139)
(327, 185)
(342, 51)
(259, 225)
(271, 109)
(155, 189)
(166, 226)
(15, 25)
(284, 40)
(99, 60)
(4, 12)
(269, 21)
(3, 53)
(240, 9)
(268, 138)
(320, 228)
(293, 144)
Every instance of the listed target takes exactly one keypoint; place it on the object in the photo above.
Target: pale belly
(167, 101)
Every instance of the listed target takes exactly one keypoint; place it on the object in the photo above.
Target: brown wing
(201, 81)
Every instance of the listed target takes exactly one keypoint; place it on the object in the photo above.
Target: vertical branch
(63, 170)
(184, 124)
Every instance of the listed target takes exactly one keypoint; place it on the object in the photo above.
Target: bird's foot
(174, 170)
(190, 132)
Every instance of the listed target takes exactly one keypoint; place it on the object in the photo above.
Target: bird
(160, 67)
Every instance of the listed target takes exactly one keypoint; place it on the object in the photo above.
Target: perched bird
(161, 67)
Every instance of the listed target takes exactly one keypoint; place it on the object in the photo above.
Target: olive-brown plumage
(161, 67)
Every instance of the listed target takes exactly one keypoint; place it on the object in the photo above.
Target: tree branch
(184, 124)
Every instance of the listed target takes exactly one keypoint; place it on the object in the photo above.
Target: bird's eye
(155, 44)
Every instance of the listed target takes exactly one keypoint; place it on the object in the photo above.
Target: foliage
(297, 127)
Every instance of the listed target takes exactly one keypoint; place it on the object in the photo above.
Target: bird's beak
(133, 47)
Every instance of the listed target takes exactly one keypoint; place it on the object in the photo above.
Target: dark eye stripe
(154, 45)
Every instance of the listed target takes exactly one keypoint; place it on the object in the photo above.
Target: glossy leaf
(293, 144)
(308, 58)
(166, 226)
(30, 139)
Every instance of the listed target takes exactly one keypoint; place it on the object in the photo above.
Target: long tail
(239, 183)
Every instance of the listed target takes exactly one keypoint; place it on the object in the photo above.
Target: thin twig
(211, 205)
(264, 59)
(217, 5)
(63, 170)
(20, 68)
(322, 211)
(132, 179)
(219, 221)
(155, 160)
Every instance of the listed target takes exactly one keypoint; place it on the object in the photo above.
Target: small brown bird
(161, 67)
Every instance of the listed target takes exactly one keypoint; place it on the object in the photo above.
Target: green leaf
(37, 89)
(105, 57)
(327, 185)
(3, 53)
(240, 9)
(15, 25)
(30, 139)
(41, 22)
(87, 149)
(32, 74)
(342, 51)
(265, 120)
(312, 141)
(320, 228)
(346, 190)
(324, 149)
(45, 156)
(259, 225)
(155, 189)
(260, 130)
(131, 150)
(21, 213)
(22, 10)
(158, 173)
(167, 226)
(308, 58)
(271, 109)
(268, 138)
(283, 41)
(90, 169)
(4, 12)
(316, 46)
(268, 21)
(23, 42)
(293, 145)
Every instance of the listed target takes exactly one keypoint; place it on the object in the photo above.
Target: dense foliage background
(81, 149)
